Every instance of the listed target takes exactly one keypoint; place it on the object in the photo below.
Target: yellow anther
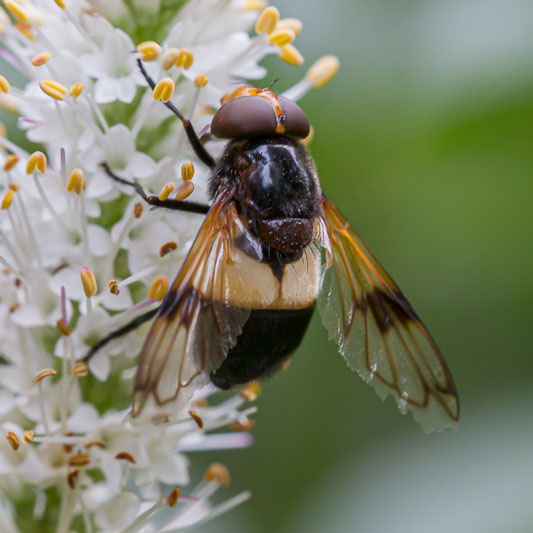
(11, 161)
(290, 24)
(322, 71)
(170, 57)
(28, 437)
(166, 190)
(15, 187)
(88, 281)
(150, 50)
(291, 55)
(127, 456)
(76, 89)
(5, 87)
(46, 372)
(113, 287)
(187, 171)
(184, 190)
(281, 37)
(307, 140)
(158, 288)
(63, 328)
(76, 182)
(36, 163)
(79, 369)
(53, 89)
(201, 80)
(217, 473)
(185, 58)
(138, 210)
(40, 59)
(80, 459)
(197, 418)
(26, 30)
(13, 440)
(16, 10)
(164, 90)
(255, 5)
(61, 4)
(7, 200)
(267, 20)
(173, 497)
(168, 247)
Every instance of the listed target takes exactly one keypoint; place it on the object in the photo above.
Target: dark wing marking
(378, 332)
(195, 326)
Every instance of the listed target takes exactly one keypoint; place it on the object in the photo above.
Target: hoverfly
(271, 248)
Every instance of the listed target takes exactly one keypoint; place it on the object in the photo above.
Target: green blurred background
(425, 141)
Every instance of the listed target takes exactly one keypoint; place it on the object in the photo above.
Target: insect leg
(196, 144)
(169, 203)
(130, 326)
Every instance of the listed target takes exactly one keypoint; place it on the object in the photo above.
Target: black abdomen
(268, 338)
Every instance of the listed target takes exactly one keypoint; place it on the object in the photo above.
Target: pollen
(291, 55)
(187, 171)
(53, 89)
(164, 90)
(61, 4)
(184, 190)
(7, 200)
(75, 182)
(40, 59)
(28, 437)
(80, 459)
(217, 473)
(197, 418)
(167, 248)
(46, 372)
(76, 89)
(15, 187)
(16, 10)
(63, 328)
(166, 190)
(251, 392)
(88, 281)
(150, 50)
(323, 71)
(13, 440)
(5, 87)
(138, 210)
(281, 37)
(291, 24)
(173, 497)
(158, 288)
(170, 57)
(113, 287)
(11, 161)
(267, 20)
(127, 456)
(36, 163)
(201, 80)
(185, 59)
(79, 369)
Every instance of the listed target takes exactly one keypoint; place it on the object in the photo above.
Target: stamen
(291, 24)
(40, 59)
(158, 288)
(170, 57)
(201, 80)
(80, 459)
(72, 476)
(217, 473)
(28, 436)
(167, 248)
(11, 161)
(15, 186)
(61, 4)
(36, 163)
(76, 183)
(323, 71)
(46, 372)
(16, 10)
(197, 418)
(13, 440)
(173, 497)
(166, 190)
(26, 29)
(184, 190)
(267, 20)
(255, 5)
(291, 55)
(5, 87)
(164, 90)
(96, 442)
(245, 426)
(138, 210)
(88, 281)
(187, 171)
(76, 89)
(8, 199)
(185, 58)
(126, 456)
(150, 50)
(281, 37)
(63, 328)
(8, 104)
(79, 370)
(113, 287)
(251, 392)
(53, 88)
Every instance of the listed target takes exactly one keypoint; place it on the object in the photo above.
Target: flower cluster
(81, 257)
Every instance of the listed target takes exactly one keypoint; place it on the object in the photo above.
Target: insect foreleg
(130, 326)
(196, 144)
(169, 203)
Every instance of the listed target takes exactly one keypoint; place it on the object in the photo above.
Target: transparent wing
(195, 326)
(378, 332)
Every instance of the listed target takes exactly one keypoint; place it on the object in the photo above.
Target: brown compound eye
(296, 122)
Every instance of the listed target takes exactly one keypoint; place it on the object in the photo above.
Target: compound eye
(247, 116)
(296, 122)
